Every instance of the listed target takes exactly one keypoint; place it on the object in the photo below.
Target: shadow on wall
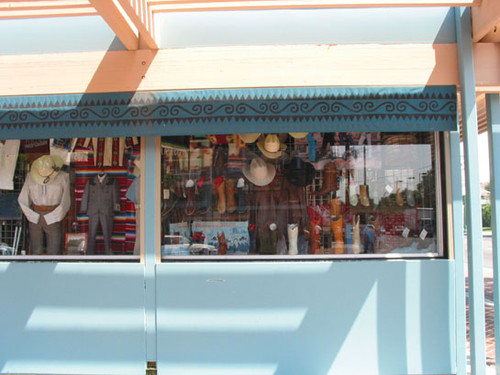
(72, 318)
(317, 318)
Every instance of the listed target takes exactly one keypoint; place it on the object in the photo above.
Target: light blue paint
(305, 26)
(80, 318)
(473, 201)
(493, 110)
(458, 250)
(317, 318)
(150, 236)
(57, 35)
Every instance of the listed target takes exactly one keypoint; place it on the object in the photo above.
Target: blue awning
(264, 110)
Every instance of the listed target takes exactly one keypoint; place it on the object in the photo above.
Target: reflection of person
(45, 200)
(101, 197)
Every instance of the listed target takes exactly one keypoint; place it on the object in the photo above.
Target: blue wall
(315, 318)
(72, 318)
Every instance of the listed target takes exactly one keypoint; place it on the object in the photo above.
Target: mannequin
(101, 198)
(45, 201)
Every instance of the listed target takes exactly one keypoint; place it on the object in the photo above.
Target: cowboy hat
(299, 135)
(271, 147)
(250, 137)
(300, 173)
(45, 169)
(259, 172)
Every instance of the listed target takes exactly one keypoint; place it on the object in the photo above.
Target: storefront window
(299, 194)
(69, 197)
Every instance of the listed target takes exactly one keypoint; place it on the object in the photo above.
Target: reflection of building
(228, 71)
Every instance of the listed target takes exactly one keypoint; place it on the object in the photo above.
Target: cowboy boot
(399, 195)
(337, 224)
(363, 195)
(252, 239)
(230, 189)
(356, 238)
(329, 179)
(190, 192)
(314, 236)
(293, 232)
(221, 237)
(353, 195)
(221, 195)
(335, 207)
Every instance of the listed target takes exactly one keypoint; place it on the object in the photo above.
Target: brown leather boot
(335, 207)
(221, 195)
(230, 197)
(338, 234)
(314, 236)
(364, 199)
(330, 175)
(221, 237)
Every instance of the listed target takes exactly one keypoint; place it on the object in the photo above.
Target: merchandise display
(76, 196)
(302, 193)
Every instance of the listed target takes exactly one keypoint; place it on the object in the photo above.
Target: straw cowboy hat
(250, 137)
(299, 135)
(271, 147)
(259, 172)
(45, 169)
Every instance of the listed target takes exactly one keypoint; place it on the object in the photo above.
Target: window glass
(76, 197)
(296, 194)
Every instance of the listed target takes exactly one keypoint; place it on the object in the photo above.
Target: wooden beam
(159, 6)
(49, 8)
(485, 18)
(486, 63)
(116, 17)
(140, 14)
(230, 67)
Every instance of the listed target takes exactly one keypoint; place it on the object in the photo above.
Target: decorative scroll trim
(432, 106)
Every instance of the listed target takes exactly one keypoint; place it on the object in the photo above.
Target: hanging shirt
(8, 160)
(56, 193)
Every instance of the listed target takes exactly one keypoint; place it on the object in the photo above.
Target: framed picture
(76, 243)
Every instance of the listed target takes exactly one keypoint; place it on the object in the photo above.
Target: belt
(43, 208)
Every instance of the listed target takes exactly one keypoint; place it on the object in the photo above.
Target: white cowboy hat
(299, 135)
(250, 137)
(271, 147)
(259, 172)
(45, 169)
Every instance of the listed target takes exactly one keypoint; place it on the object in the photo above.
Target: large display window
(288, 195)
(70, 197)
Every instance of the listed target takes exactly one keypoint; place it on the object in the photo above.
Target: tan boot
(221, 195)
(356, 238)
(338, 234)
(364, 199)
(329, 179)
(230, 197)
(335, 207)
(314, 236)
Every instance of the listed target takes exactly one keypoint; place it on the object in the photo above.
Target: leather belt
(43, 208)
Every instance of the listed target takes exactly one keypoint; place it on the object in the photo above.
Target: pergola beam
(119, 21)
(159, 6)
(485, 18)
(48, 8)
